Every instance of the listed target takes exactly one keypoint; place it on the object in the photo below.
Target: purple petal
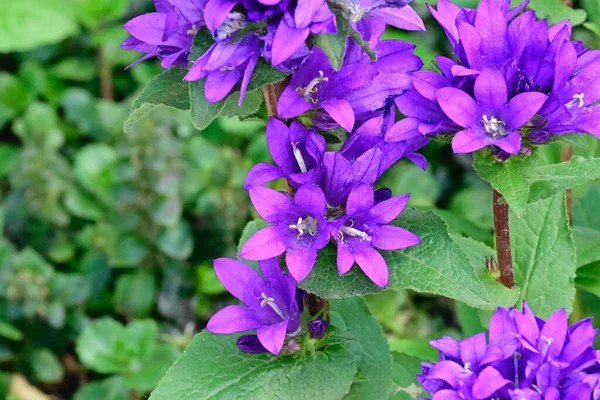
(488, 382)
(472, 349)
(548, 376)
(197, 71)
(471, 43)
(511, 144)
(341, 112)
(219, 84)
(264, 244)
(240, 280)
(402, 18)
(490, 89)
(578, 392)
(232, 319)
(262, 173)
(373, 265)
(273, 336)
(345, 259)
(391, 237)
(427, 83)
(458, 106)
(361, 199)
(311, 198)
(287, 41)
(246, 77)
(447, 394)
(527, 329)
(446, 15)
(448, 371)
(467, 141)
(522, 108)
(501, 324)
(300, 262)
(459, 70)
(555, 334)
(566, 65)
(270, 204)
(305, 11)
(491, 25)
(403, 130)
(148, 28)
(280, 147)
(386, 211)
(580, 340)
(216, 11)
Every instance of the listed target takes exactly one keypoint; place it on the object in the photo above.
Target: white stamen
(467, 368)
(349, 230)
(299, 158)
(312, 87)
(580, 98)
(308, 224)
(192, 31)
(494, 126)
(269, 301)
(547, 343)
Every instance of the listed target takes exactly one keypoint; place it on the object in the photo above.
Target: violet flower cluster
(273, 307)
(526, 358)
(516, 82)
(244, 31)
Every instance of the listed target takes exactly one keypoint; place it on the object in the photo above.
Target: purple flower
(490, 119)
(317, 328)
(298, 227)
(360, 90)
(396, 12)
(364, 228)
(271, 307)
(250, 344)
(297, 153)
(167, 33)
(224, 64)
(526, 358)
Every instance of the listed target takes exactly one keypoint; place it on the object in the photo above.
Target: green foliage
(333, 45)
(405, 385)
(557, 11)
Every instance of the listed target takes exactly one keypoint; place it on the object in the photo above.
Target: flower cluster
(517, 82)
(273, 308)
(526, 358)
(243, 31)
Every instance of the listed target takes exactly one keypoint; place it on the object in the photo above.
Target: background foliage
(108, 234)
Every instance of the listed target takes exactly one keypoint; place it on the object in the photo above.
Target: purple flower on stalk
(271, 307)
(299, 228)
(167, 33)
(490, 119)
(365, 228)
(526, 358)
(224, 64)
(297, 153)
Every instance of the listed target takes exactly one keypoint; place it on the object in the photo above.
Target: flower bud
(317, 328)
(250, 344)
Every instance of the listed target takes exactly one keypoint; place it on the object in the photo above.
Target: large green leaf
(548, 180)
(212, 367)
(405, 385)
(370, 348)
(508, 178)
(134, 294)
(588, 278)
(544, 256)
(557, 11)
(167, 89)
(27, 24)
(334, 46)
(436, 266)
(586, 224)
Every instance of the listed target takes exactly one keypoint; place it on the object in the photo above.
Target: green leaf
(213, 367)
(109, 389)
(93, 167)
(435, 266)
(146, 378)
(75, 69)
(45, 366)
(508, 178)
(334, 46)
(27, 24)
(135, 293)
(70, 289)
(406, 177)
(81, 205)
(126, 250)
(250, 229)
(405, 385)
(177, 242)
(419, 347)
(208, 282)
(8, 331)
(477, 252)
(167, 212)
(357, 37)
(167, 89)
(587, 241)
(370, 347)
(548, 180)
(94, 12)
(557, 11)
(108, 347)
(544, 256)
(588, 278)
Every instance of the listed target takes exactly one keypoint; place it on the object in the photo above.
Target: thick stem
(106, 78)
(567, 154)
(271, 94)
(501, 229)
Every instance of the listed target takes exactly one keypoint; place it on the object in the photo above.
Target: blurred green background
(108, 236)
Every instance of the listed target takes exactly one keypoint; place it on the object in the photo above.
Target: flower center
(234, 22)
(577, 100)
(547, 343)
(303, 225)
(349, 230)
(494, 126)
(192, 31)
(299, 158)
(467, 368)
(269, 301)
(312, 88)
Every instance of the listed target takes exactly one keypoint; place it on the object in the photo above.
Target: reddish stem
(502, 231)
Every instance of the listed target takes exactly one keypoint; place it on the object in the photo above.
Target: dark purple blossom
(299, 228)
(365, 228)
(297, 153)
(250, 344)
(317, 328)
(270, 304)
(168, 33)
(526, 358)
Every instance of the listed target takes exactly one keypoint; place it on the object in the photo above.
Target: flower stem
(106, 78)
(567, 154)
(502, 231)
(271, 93)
